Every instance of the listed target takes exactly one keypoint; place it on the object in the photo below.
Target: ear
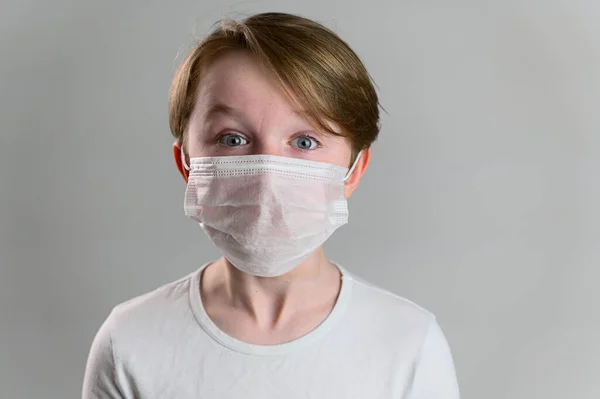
(359, 171)
(177, 154)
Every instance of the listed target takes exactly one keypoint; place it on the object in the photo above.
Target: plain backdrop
(481, 203)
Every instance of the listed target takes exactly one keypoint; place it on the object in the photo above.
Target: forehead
(237, 79)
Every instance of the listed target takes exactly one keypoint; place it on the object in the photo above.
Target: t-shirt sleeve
(435, 375)
(100, 379)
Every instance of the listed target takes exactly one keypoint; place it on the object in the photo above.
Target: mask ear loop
(183, 161)
(352, 168)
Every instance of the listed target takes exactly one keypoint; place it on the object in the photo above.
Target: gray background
(481, 203)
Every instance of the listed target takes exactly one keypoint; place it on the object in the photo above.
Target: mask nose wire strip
(186, 167)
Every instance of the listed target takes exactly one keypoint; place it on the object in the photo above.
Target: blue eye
(232, 140)
(305, 143)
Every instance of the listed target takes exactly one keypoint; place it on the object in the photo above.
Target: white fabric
(373, 345)
(266, 213)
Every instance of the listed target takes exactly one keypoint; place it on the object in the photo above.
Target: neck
(271, 301)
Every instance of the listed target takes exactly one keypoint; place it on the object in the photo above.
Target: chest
(318, 374)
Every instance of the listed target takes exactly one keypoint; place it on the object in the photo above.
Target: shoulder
(136, 333)
(150, 312)
(398, 327)
(387, 317)
(384, 302)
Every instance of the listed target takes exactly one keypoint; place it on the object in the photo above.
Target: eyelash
(220, 137)
(300, 136)
(307, 136)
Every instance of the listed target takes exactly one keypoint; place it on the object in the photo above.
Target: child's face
(240, 110)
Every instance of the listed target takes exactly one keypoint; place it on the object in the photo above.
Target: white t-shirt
(373, 345)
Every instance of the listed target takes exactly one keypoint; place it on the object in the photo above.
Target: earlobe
(179, 162)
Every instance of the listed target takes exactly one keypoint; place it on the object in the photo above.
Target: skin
(240, 110)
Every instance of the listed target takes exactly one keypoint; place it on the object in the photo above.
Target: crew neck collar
(253, 349)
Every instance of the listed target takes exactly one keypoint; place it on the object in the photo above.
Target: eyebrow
(220, 108)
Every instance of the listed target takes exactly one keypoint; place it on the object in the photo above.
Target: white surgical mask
(266, 213)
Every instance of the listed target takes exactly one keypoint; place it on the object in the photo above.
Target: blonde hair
(311, 63)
